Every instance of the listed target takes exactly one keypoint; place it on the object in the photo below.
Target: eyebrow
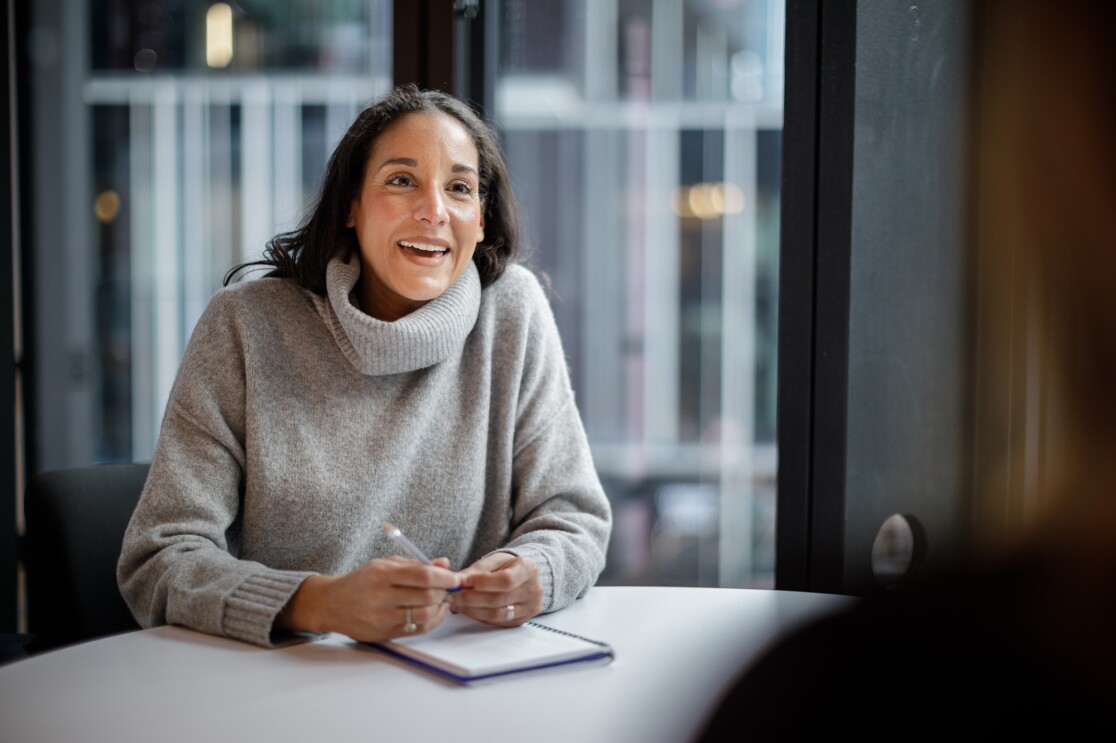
(412, 163)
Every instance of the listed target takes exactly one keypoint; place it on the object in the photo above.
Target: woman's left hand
(501, 589)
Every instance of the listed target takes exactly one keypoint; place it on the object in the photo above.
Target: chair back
(75, 520)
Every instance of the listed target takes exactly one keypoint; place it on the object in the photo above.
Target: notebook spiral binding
(568, 634)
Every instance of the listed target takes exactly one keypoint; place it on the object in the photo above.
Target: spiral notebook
(469, 652)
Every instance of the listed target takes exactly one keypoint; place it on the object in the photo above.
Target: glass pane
(339, 36)
(178, 137)
(644, 141)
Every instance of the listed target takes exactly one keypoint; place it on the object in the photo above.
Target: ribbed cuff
(251, 609)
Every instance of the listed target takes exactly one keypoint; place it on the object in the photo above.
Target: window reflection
(175, 36)
(177, 136)
(644, 140)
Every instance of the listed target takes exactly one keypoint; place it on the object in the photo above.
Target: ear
(480, 231)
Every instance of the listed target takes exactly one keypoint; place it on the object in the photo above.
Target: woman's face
(418, 216)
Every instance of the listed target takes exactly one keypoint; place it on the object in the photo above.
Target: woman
(395, 365)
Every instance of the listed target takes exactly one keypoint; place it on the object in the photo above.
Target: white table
(676, 649)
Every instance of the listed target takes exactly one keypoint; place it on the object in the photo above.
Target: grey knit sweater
(297, 425)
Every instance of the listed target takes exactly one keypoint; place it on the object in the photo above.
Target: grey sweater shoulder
(297, 425)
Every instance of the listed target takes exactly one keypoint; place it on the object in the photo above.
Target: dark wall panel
(907, 353)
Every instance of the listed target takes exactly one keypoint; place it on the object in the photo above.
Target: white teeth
(423, 246)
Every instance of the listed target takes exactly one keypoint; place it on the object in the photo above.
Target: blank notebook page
(468, 648)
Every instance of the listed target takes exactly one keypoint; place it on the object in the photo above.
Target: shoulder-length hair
(303, 254)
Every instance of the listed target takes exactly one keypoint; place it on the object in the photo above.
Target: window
(194, 133)
(644, 142)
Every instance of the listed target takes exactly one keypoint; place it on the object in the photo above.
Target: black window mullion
(814, 294)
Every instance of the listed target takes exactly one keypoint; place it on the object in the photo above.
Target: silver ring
(510, 612)
(409, 626)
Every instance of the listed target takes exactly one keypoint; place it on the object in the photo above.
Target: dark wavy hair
(304, 253)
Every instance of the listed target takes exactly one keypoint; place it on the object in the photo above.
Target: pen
(409, 547)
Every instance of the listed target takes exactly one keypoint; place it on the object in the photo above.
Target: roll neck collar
(423, 338)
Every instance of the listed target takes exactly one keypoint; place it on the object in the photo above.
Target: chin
(427, 290)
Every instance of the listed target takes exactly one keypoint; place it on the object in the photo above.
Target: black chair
(74, 527)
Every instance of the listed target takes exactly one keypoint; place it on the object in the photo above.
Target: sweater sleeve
(561, 517)
(178, 563)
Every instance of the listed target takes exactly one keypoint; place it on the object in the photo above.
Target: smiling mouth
(424, 248)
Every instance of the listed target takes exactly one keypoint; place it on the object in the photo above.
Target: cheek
(470, 218)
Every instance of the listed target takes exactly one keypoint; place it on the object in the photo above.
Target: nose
(431, 206)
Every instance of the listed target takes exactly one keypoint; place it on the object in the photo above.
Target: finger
(441, 562)
(521, 612)
(430, 615)
(444, 562)
(500, 578)
(508, 615)
(525, 593)
(412, 620)
(505, 577)
(409, 596)
(404, 572)
(489, 563)
(438, 615)
(487, 607)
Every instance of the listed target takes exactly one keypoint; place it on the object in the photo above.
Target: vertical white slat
(605, 244)
(287, 157)
(222, 243)
(380, 43)
(605, 267)
(633, 289)
(601, 32)
(776, 52)
(737, 450)
(256, 218)
(166, 246)
(667, 53)
(661, 284)
(196, 249)
(338, 117)
(140, 209)
(711, 63)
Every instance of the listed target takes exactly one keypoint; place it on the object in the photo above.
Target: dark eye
(461, 188)
(402, 179)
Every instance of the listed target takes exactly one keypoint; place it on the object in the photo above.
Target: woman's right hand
(370, 604)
